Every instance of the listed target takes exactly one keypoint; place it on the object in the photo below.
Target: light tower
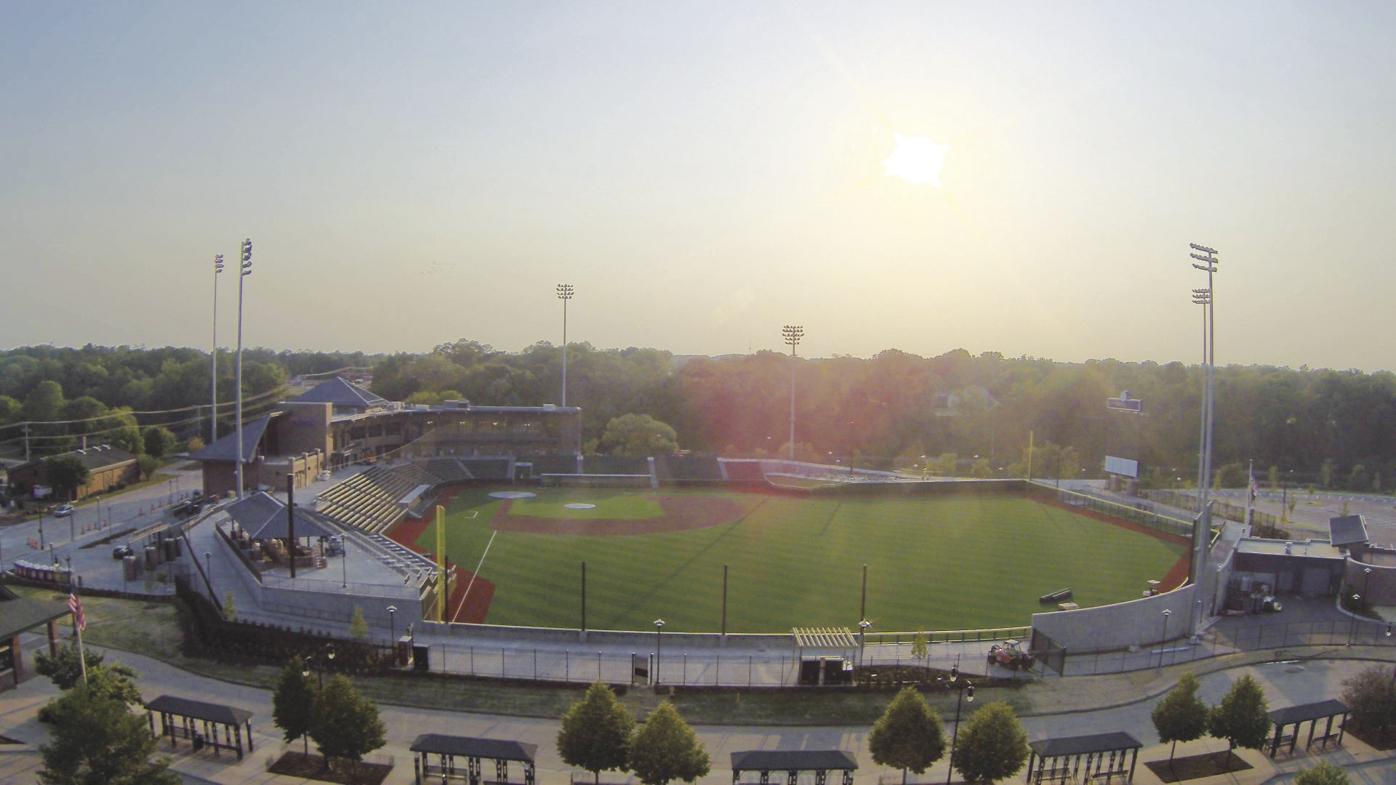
(1202, 530)
(246, 271)
(564, 293)
(792, 333)
(213, 374)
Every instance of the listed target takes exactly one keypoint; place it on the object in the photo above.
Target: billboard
(1121, 466)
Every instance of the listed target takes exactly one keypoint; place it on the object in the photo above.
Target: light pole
(564, 293)
(658, 640)
(1356, 603)
(863, 625)
(961, 687)
(208, 574)
(1163, 640)
(213, 373)
(242, 275)
(792, 333)
(1201, 534)
(392, 624)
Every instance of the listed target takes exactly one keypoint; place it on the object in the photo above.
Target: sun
(917, 160)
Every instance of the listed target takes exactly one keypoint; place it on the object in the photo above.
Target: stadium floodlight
(237, 373)
(213, 373)
(792, 334)
(564, 293)
(1207, 299)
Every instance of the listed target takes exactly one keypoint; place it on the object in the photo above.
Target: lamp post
(1207, 299)
(863, 625)
(1164, 639)
(312, 663)
(658, 640)
(208, 574)
(213, 372)
(392, 625)
(961, 686)
(41, 529)
(237, 373)
(564, 293)
(1356, 603)
(792, 334)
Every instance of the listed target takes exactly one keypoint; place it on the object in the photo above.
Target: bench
(1059, 595)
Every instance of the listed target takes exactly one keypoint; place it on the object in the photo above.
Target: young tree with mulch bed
(1181, 715)
(345, 724)
(1324, 773)
(293, 702)
(665, 748)
(1242, 717)
(993, 745)
(595, 732)
(908, 735)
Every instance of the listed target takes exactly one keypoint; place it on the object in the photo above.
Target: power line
(118, 412)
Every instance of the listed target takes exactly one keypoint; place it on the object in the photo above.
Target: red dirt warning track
(408, 531)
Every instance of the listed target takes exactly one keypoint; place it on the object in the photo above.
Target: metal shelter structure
(793, 762)
(1311, 713)
(825, 654)
(474, 750)
(178, 718)
(1100, 756)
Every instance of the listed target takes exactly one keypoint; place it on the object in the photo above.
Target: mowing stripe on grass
(471, 585)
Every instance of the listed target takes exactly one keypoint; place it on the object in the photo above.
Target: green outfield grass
(609, 504)
(933, 563)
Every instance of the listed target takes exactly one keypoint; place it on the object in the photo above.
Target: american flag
(75, 607)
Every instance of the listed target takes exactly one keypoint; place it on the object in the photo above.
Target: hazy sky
(703, 173)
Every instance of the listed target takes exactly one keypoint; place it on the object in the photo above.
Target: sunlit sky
(704, 173)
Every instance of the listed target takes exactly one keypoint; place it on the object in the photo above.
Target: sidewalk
(1060, 707)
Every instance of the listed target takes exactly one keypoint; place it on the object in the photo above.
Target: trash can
(421, 658)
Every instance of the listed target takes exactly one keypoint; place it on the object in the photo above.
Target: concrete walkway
(1060, 707)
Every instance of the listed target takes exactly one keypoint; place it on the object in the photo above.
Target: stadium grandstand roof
(342, 393)
(18, 614)
(225, 449)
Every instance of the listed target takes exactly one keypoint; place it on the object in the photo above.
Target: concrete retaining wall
(1119, 626)
(641, 641)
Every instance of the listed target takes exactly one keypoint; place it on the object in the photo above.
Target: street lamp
(213, 373)
(1356, 604)
(1164, 639)
(392, 625)
(564, 293)
(658, 639)
(863, 625)
(792, 334)
(311, 663)
(961, 686)
(237, 373)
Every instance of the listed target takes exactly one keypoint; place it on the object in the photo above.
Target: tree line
(1324, 428)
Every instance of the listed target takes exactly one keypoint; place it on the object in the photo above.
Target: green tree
(1272, 477)
(147, 466)
(1371, 696)
(117, 682)
(66, 473)
(63, 668)
(947, 464)
(920, 646)
(665, 748)
(159, 441)
(1242, 717)
(229, 609)
(595, 732)
(344, 724)
(358, 626)
(908, 735)
(992, 745)
(9, 409)
(1324, 773)
(293, 703)
(1181, 715)
(638, 435)
(981, 469)
(126, 437)
(96, 740)
(44, 402)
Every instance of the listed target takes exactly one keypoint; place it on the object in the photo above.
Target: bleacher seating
(369, 500)
(448, 469)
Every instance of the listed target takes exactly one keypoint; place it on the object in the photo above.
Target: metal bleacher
(369, 501)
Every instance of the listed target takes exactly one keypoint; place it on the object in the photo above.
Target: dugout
(1099, 756)
(825, 655)
(1311, 713)
(1264, 567)
(474, 750)
(180, 717)
(793, 763)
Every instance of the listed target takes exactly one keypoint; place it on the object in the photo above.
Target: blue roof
(226, 448)
(344, 393)
(1347, 530)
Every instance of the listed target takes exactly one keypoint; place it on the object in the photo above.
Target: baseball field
(937, 563)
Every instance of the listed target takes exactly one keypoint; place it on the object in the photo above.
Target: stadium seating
(488, 468)
(369, 500)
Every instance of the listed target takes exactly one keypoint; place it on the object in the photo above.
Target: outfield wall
(642, 641)
(1119, 626)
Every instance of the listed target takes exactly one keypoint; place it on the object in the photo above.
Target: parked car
(182, 509)
(63, 511)
(121, 551)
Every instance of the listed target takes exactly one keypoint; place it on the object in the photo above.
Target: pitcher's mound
(512, 495)
(579, 506)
